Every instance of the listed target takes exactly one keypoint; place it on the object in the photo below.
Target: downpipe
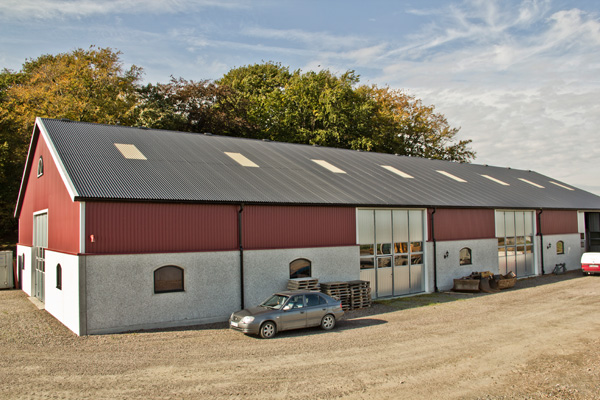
(434, 251)
(541, 239)
(241, 248)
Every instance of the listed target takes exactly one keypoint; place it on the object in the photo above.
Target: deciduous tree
(83, 85)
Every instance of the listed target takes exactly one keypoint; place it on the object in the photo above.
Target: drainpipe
(539, 218)
(241, 254)
(434, 251)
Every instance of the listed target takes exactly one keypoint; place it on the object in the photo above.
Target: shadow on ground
(429, 299)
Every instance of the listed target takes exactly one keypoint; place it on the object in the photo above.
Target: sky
(520, 78)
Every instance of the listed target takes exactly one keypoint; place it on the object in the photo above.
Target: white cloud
(316, 40)
(521, 82)
(59, 9)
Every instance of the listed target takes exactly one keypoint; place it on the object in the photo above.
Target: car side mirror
(287, 308)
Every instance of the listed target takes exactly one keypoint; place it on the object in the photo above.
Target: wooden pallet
(352, 294)
(303, 284)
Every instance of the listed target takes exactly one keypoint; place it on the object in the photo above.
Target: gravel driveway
(540, 340)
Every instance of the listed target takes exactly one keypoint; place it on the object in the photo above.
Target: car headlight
(247, 320)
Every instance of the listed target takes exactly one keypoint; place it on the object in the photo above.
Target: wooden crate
(506, 283)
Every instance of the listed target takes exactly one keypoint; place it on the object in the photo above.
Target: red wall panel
(267, 227)
(49, 192)
(120, 227)
(558, 222)
(462, 224)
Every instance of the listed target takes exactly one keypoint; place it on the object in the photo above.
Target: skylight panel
(130, 152)
(449, 175)
(562, 186)
(397, 171)
(491, 178)
(531, 183)
(242, 159)
(329, 166)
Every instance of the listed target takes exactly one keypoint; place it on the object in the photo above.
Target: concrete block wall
(120, 291)
(572, 252)
(267, 271)
(484, 257)
(120, 288)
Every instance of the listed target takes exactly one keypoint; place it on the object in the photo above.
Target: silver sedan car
(288, 310)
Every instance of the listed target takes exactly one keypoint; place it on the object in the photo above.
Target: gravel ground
(537, 341)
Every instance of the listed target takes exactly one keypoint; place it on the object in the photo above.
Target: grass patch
(424, 300)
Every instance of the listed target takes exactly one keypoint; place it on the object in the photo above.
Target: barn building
(126, 228)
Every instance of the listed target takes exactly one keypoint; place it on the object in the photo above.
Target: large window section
(391, 250)
(515, 232)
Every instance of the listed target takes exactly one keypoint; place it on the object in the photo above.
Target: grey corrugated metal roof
(194, 167)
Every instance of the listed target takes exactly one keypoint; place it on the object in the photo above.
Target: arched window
(560, 247)
(59, 277)
(300, 268)
(465, 256)
(168, 279)
(40, 170)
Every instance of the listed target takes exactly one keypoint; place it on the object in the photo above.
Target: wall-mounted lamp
(446, 254)
(92, 238)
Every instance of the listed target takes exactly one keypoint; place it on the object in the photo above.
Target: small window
(300, 268)
(40, 170)
(465, 256)
(59, 277)
(168, 279)
(560, 247)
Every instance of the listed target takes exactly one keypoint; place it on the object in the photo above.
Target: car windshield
(276, 301)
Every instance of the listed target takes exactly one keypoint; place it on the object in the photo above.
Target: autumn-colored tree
(83, 85)
(404, 125)
(193, 107)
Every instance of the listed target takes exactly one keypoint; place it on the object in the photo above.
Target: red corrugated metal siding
(557, 222)
(120, 228)
(49, 192)
(462, 224)
(268, 227)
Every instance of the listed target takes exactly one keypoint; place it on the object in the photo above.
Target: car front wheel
(328, 322)
(268, 330)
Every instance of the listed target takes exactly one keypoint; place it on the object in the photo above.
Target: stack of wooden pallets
(360, 294)
(338, 290)
(303, 284)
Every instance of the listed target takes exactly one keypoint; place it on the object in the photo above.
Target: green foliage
(329, 110)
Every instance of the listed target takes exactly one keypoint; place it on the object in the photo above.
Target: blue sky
(520, 78)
